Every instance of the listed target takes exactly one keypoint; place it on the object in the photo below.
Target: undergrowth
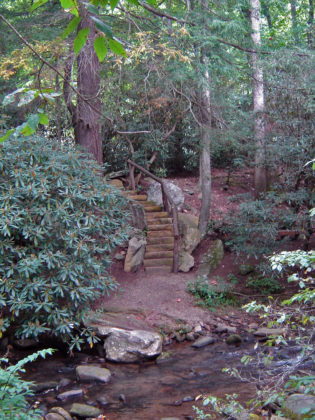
(14, 390)
(265, 285)
(210, 296)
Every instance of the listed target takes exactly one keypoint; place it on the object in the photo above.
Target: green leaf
(7, 134)
(72, 26)
(43, 119)
(91, 8)
(113, 3)
(102, 3)
(67, 4)
(80, 40)
(116, 47)
(102, 27)
(136, 2)
(71, 6)
(26, 130)
(8, 99)
(100, 47)
(33, 121)
(37, 3)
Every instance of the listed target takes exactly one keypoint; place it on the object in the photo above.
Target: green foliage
(227, 405)
(210, 296)
(265, 285)
(14, 390)
(60, 221)
(305, 262)
(253, 229)
(295, 318)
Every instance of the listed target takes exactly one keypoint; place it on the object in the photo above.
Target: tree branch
(65, 79)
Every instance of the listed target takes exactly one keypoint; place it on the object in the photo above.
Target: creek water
(150, 390)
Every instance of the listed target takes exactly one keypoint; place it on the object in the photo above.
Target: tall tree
(310, 22)
(294, 21)
(260, 177)
(205, 140)
(86, 113)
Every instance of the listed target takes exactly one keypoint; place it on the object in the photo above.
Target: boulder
(92, 373)
(135, 255)
(267, 332)
(25, 343)
(132, 346)
(189, 232)
(296, 404)
(84, 410)
(233, 339)
(212, 258)
(245, 269)
(186, 261)
(154, 193)
(54, 416)
(137, 215)
(67, 395)
(43, 386)
(203, 341)
(62, 412)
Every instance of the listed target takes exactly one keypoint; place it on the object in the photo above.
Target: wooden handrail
(169, 206)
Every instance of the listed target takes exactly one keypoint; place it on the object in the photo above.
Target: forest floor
(162, 301)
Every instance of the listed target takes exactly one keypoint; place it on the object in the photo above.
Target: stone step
(161, 220)
(158, 270)
(158, 262)
(159, 234)
(158, 254)
(159, 247)
(157, 214)
(137, 197)
(159, 241)
(162, 226)
(151, 203)
(151, 208)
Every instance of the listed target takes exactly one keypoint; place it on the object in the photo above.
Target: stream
(150, 390)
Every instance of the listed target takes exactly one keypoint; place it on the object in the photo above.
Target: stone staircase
(159, 253)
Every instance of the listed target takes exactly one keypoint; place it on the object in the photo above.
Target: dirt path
(163, 300)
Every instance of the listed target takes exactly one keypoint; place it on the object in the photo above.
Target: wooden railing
(168, 203)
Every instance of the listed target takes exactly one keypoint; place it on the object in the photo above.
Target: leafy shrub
(210, 296)
(295, 317)
(60, 221)
(253, 230)
(264, 284)
(13, 390)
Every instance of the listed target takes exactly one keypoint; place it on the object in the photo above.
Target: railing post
(164, 198)
(132, 176)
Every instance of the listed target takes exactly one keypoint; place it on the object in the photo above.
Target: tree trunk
(86, 118)
(260, 176)
(58, 106)
(294, 21)
(310, 22)
(88, 128)
(265, 10)
(205, 162)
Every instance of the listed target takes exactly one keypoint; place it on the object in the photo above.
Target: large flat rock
(117, 319)
(93, 373)
(300, 406)
(132, 346)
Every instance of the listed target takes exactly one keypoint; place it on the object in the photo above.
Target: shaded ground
(162, 301)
